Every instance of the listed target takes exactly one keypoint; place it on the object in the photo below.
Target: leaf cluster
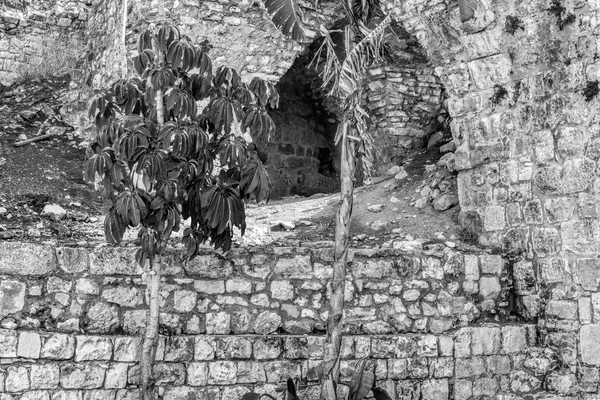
(160, 160)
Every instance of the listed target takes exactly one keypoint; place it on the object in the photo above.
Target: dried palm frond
(364, 54)
(331, 66)
(287, 16)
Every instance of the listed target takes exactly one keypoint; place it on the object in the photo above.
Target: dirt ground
(49, 171)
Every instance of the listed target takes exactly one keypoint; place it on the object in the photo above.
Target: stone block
(435, 389)
(268, 348)
(589, 343)
(489, 71)
(184, 300)
(73, 260)
(559, 209)
(585, 310)
(462, 344)
(124, 296)
(114, 261)
(234, 348)
(44, 376)
(543, 146)
(87, 286)
(489, 287)
(491, 264)
(179, 349)
(218, 323)
(554, 270)
(581, 236)
(29, 345)
(498, 365)
(446, 346)
(549, 179)
(12, 297)
(127, 349)
(595, 300)
(485, 340)
(463, 389)
(471, 267)
(578, 175)
(58, 346)
(222, 373)
(267, 322)
(102, 317)
(116, 376)
(92, 348)
(469, 367)
(514, 339)
(532, 212)
(209, 287)
(197, 374)
(546, 241)
(493, 218)
(209, 266)
(8, 343)
(169, 374)
(587, 272)
(17, 379)
(238, 286)
(562, 309)
(299, 267)
(204, 348)
(442, 367)
(26, 259)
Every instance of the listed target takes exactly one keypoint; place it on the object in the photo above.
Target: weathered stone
(282, 290)
(29, 345)
(299, 267)
(266, 348)
(562, 309)
(169, 373)
(58, 347)
(238, 286)
(44, 376)
(127, 349)
(234, 348)
(209, 287)
(222, 373)
(87, 286)
(17, 379)
(578, 175)
(12, 297)
(514, 339)
(8, 343)
(92, 348)
(588, 338)
(179, 349)
(489, 287)
(102, 317)
(435, 389)
(204, 348)
(267, 322)
(197, 374)
(116, 376)
(184, 300)
(491, 264)
(489, 71)
(209, 266)
(114, 261)
(485, 341)
(72, 260)
(134, 321)
(445, 201)
(26, 259)
(218, 323)
(493, 218)
(123, 295)
(587, 271)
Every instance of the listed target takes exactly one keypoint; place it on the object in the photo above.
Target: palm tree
(343, 77)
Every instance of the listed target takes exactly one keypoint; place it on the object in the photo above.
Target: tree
(160, 161)
(343, 77)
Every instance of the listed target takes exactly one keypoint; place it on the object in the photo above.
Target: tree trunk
(151, 335)
(124, 36)
(333, 342)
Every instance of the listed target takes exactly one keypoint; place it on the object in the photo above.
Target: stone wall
(520, 78)
(72, 319)
(40, 32)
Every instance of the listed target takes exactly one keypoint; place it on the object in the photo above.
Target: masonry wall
(72, 319)
(525, 123)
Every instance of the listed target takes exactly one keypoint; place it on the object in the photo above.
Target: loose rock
(54, 211)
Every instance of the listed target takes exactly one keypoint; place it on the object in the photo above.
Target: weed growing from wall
(591, 90)
(513, 24)
(500, 93)
(564, 18)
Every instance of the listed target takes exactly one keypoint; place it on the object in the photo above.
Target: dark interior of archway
(403, 97)
(301, 154)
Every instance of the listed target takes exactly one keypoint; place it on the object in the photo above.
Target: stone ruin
(519, 318)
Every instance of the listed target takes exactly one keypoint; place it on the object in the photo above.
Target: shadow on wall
(301, 154)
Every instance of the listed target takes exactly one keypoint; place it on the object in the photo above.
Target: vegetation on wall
(563, 17)
(591, 90)
(513, 24)
(160, 161)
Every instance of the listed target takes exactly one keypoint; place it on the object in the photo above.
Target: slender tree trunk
(151, 336)
(333, 343)
(124, 36)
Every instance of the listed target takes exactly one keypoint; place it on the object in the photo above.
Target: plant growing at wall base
(160, 161)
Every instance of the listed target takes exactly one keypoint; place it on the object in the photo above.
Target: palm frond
(287, 16)
(467, 9)
(331, 66)
(364, 54)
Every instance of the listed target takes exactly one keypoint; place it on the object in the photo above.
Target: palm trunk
(151, 336)
(333, 342)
